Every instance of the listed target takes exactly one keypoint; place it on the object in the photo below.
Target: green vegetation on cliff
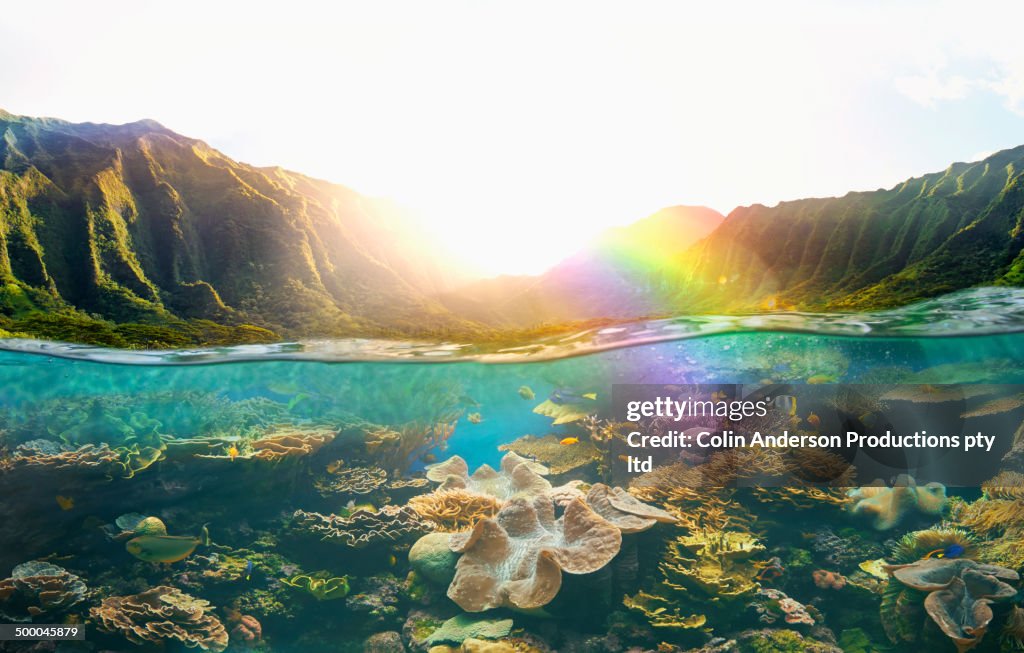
(134, 235)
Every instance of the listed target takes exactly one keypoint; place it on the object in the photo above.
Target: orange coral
(454, 510)
(160, 614)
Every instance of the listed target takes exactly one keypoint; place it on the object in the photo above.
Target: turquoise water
(158, 410)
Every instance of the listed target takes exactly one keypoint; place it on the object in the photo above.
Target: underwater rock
(454, 510)
(377, 602)
(431, 558)
(39, 588)
(623, 510)
(959, 592)
(775, 641)
(888, 506)
(363, 527)
(516, 476)
(516, 559)
(772, 605)
(462, 627)
(160, 614)
(388, 641)
(558, 458)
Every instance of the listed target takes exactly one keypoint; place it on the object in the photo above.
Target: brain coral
(516, 559)
(889, 505)
(517, 476)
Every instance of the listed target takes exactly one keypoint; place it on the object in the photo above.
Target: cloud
(931, 88)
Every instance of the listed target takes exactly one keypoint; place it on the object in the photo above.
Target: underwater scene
(408, 496)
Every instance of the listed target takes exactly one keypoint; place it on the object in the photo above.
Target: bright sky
(519, 130)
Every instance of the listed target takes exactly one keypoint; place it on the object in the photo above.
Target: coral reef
(47, 455)
(352, 481)
(516, 476)
(662, 612)
(454, 510)
(321, 586)
(623, 510)
(917, 544)
(826, 580)
(772, 605)
(558, 458)
(718, 563)
(161, 614)
(39, 588)
(363, 527)
(280, 443)
(888, 506)
(431, 557)
(516, 558)
(958, 598)
(463, 626)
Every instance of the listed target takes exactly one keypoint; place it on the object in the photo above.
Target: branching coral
(718, 563)
(363, 527)
(454, 510)
(662, 613)
(888, 506)
(960, 594)
(39, 588)
(161, 614)
(516, 476)
(516, 558)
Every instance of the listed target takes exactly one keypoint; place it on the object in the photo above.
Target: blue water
(965, 338)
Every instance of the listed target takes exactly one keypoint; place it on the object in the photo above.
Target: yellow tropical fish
(569, 441)
(526, 392)
(821, 378)
(232, 452)
(787, 404)
(166, 548)
(814, 420)
(65, 503)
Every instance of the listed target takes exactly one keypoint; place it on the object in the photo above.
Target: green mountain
(927, 236)
(867, 250)
(133, 234)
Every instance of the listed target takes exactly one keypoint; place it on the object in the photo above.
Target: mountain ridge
(134, 235)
